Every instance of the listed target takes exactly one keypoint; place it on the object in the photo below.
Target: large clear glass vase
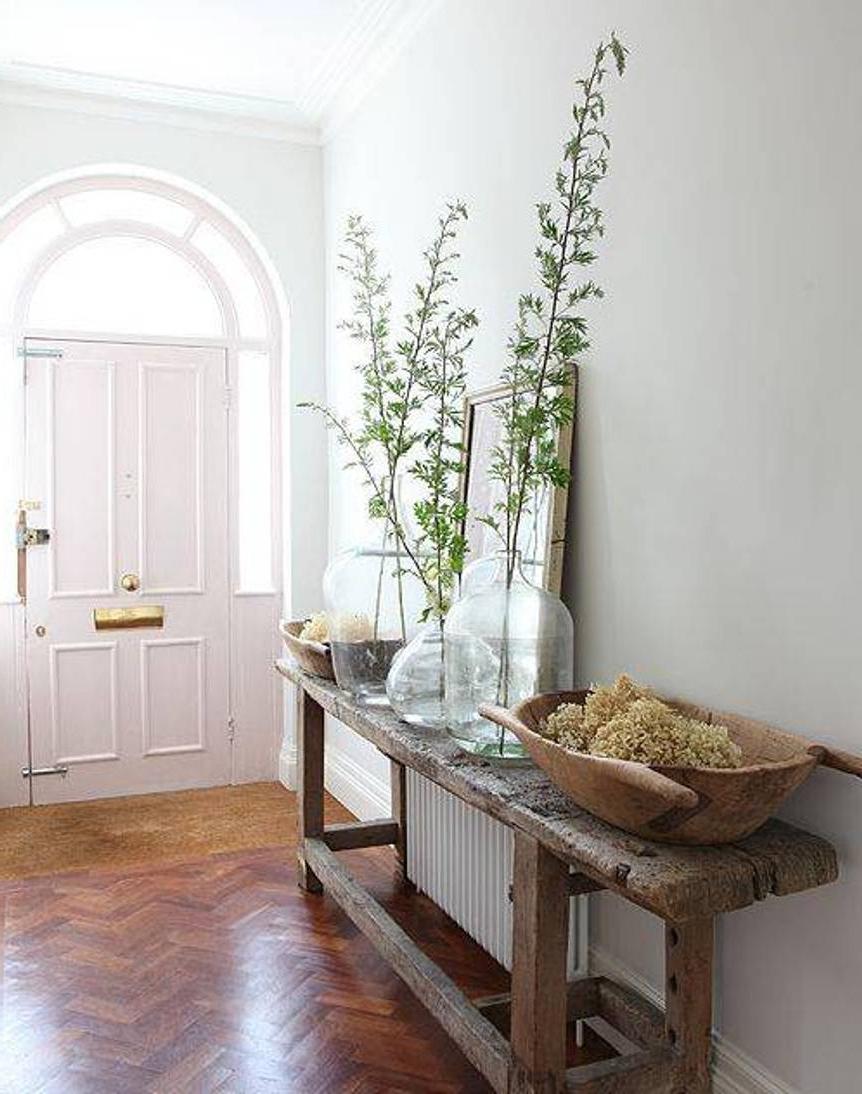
(372, 607)
(503, 642)
(483, 571)
(415, 684)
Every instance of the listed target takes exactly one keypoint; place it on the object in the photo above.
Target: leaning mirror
(542, 538)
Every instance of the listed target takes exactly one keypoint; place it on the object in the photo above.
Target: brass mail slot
(118, 619)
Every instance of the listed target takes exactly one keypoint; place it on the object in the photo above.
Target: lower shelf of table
(652, 1067)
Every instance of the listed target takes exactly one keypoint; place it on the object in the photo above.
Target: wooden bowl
(694, 805)
(313, 657)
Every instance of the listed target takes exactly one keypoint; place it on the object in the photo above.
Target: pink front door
(127, 456)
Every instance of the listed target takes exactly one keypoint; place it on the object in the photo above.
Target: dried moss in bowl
(625, 721)
(315, 629)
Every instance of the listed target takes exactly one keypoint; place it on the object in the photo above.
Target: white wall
(275, 187)
(717, 518)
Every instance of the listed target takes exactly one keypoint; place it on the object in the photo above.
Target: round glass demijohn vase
(372, 607)
(415, 684)
(505, 641)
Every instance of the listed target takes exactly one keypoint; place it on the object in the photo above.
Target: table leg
(540, 892)
(688, 999)
(309, 751)
(398, 785)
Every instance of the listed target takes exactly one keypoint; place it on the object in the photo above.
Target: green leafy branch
(440, 513)
(550, 331)
(426, 367)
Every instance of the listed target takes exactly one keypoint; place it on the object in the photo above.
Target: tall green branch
(440, 512)
(550, 332)
(425, 368)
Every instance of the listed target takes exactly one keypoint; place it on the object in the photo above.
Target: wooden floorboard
(219, 975)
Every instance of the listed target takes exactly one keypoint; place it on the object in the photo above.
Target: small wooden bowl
(693, 805)
(313, 657)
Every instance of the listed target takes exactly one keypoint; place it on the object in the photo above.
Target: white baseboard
(733, 1071)
(287, 768)
(366, 795)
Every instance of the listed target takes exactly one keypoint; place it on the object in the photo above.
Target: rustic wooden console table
(559, 850)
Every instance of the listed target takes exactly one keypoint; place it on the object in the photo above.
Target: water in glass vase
(504, 642)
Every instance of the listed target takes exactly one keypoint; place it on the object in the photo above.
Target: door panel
(127, 451)
(173, 696)
(81, 490)
(171, 486)
(84, 718)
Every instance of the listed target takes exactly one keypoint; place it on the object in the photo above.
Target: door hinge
(35, 351)
(35, 772)
(38, 351)
(228, 396)
(231, 729)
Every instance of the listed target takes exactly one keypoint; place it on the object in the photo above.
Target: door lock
(35, 772)
(40, 631)
(32, 537)
(130, 582)
(25, 538)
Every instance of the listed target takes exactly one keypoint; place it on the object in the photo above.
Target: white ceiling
(285, 61)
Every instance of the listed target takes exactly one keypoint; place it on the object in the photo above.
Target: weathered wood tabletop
(676, 883)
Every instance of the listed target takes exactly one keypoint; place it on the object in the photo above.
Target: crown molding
(356, 62)
(386, 30)
(188, 108)
(345, 58)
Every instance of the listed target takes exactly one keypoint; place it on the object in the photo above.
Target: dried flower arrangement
(625, 721)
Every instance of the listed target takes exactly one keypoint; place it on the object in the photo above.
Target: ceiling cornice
(389, 27)
(346, 55)
(80, 92)
(359, 58)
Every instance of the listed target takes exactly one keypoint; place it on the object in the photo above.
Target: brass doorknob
(130, 582)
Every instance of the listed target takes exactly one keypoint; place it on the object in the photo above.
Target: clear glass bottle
(373, 607)
(415, 684)
(503, 642)
(482, 571)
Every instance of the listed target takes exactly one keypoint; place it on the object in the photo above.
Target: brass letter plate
(118, 619)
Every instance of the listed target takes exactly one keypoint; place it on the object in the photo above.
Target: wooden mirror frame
(555, 538)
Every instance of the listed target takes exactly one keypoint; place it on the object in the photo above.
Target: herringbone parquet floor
(219, 975)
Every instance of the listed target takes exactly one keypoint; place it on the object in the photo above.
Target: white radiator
(462, 859)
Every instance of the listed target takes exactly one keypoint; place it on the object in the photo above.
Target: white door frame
(250, 610)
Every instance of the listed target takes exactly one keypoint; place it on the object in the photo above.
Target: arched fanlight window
(117, 255)
(124, 284)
